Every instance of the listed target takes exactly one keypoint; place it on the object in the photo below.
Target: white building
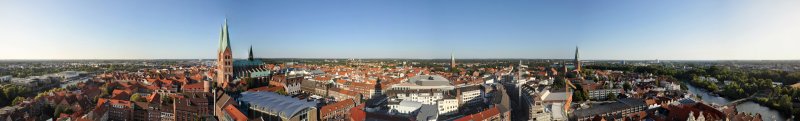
(406, 107)
(425, 82)
(601, 94)
(5, 78)
(423, 96)
(427, 89)
(447, 106)
(469, 94)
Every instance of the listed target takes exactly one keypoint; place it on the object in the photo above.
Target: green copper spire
(224, 40)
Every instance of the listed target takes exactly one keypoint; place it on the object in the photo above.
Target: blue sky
(608, 29)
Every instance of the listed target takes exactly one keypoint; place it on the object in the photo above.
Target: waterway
(767, 114)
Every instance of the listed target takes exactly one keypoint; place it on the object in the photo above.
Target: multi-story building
(602, 94)
(491, 114)
(336, 111)
(144, 111)
(118, 110)
(230, 113)
(291, 84)
(614, 110)
(469, 94)
(193, 106)
(423, 96)
(447, 106)
(167, 113)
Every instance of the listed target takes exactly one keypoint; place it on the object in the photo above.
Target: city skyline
(634, 30)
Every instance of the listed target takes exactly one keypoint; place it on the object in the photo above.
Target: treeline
(743, 83)
(25, 72)
(652, 69)
(719, 72)
(12, 94)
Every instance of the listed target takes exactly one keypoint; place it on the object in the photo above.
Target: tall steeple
(452, 61)
(577, 60)
(224, 39)
(251, 53)
(224, 58)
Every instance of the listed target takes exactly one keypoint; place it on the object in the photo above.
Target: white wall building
(469, 94)
(405, 107)
(447, 106)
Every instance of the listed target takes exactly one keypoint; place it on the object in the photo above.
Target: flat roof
(429, 80)
(557, 111)
(556, 96)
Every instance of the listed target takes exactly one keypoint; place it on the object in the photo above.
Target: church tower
(577, 60)
(224, 58)
(452, 61)
(250, 58)
(378, 90)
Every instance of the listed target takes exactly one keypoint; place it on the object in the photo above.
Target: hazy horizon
(408, 29)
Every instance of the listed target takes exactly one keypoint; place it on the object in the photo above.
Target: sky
(536, 29)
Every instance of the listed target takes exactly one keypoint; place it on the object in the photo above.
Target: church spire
(250, 53)
(452, 61)
(576, 54)
(577, 61)
(224, 40)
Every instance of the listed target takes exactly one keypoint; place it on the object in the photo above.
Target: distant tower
(206, 86)
(452, 61)
(577, 60)
(519, 71)
(224, 57)
(564, 64)
(250, 58)
(378, 89)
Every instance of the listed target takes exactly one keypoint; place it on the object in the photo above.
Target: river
(767, 114)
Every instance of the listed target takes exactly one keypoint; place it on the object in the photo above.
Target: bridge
(754, 95)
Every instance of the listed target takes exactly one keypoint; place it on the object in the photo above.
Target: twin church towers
(225, 63)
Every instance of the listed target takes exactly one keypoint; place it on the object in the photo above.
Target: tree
(137, 98)
(282, 92)
(578, 96)
(17, 100)
(61, 109)
(166, 99)
(627, 86)
(611, 96)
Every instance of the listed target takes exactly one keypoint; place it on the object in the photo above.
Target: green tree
(627, 86)
(61, 109)
(578, 96)
(137, 98)
(166, 99)
(17, 100)
(611, 96)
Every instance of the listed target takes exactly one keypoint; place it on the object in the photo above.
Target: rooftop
(429, 80)
(283, 106)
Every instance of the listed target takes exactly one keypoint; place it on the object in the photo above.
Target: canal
(767, 114)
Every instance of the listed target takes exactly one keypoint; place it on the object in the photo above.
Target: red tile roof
(266, 88)
(483, 115)
(235, 113)
(194, 86)
(341, 105)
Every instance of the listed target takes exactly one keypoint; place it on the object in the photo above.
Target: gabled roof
(483, 115)
(235, 113)
(341, 105)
